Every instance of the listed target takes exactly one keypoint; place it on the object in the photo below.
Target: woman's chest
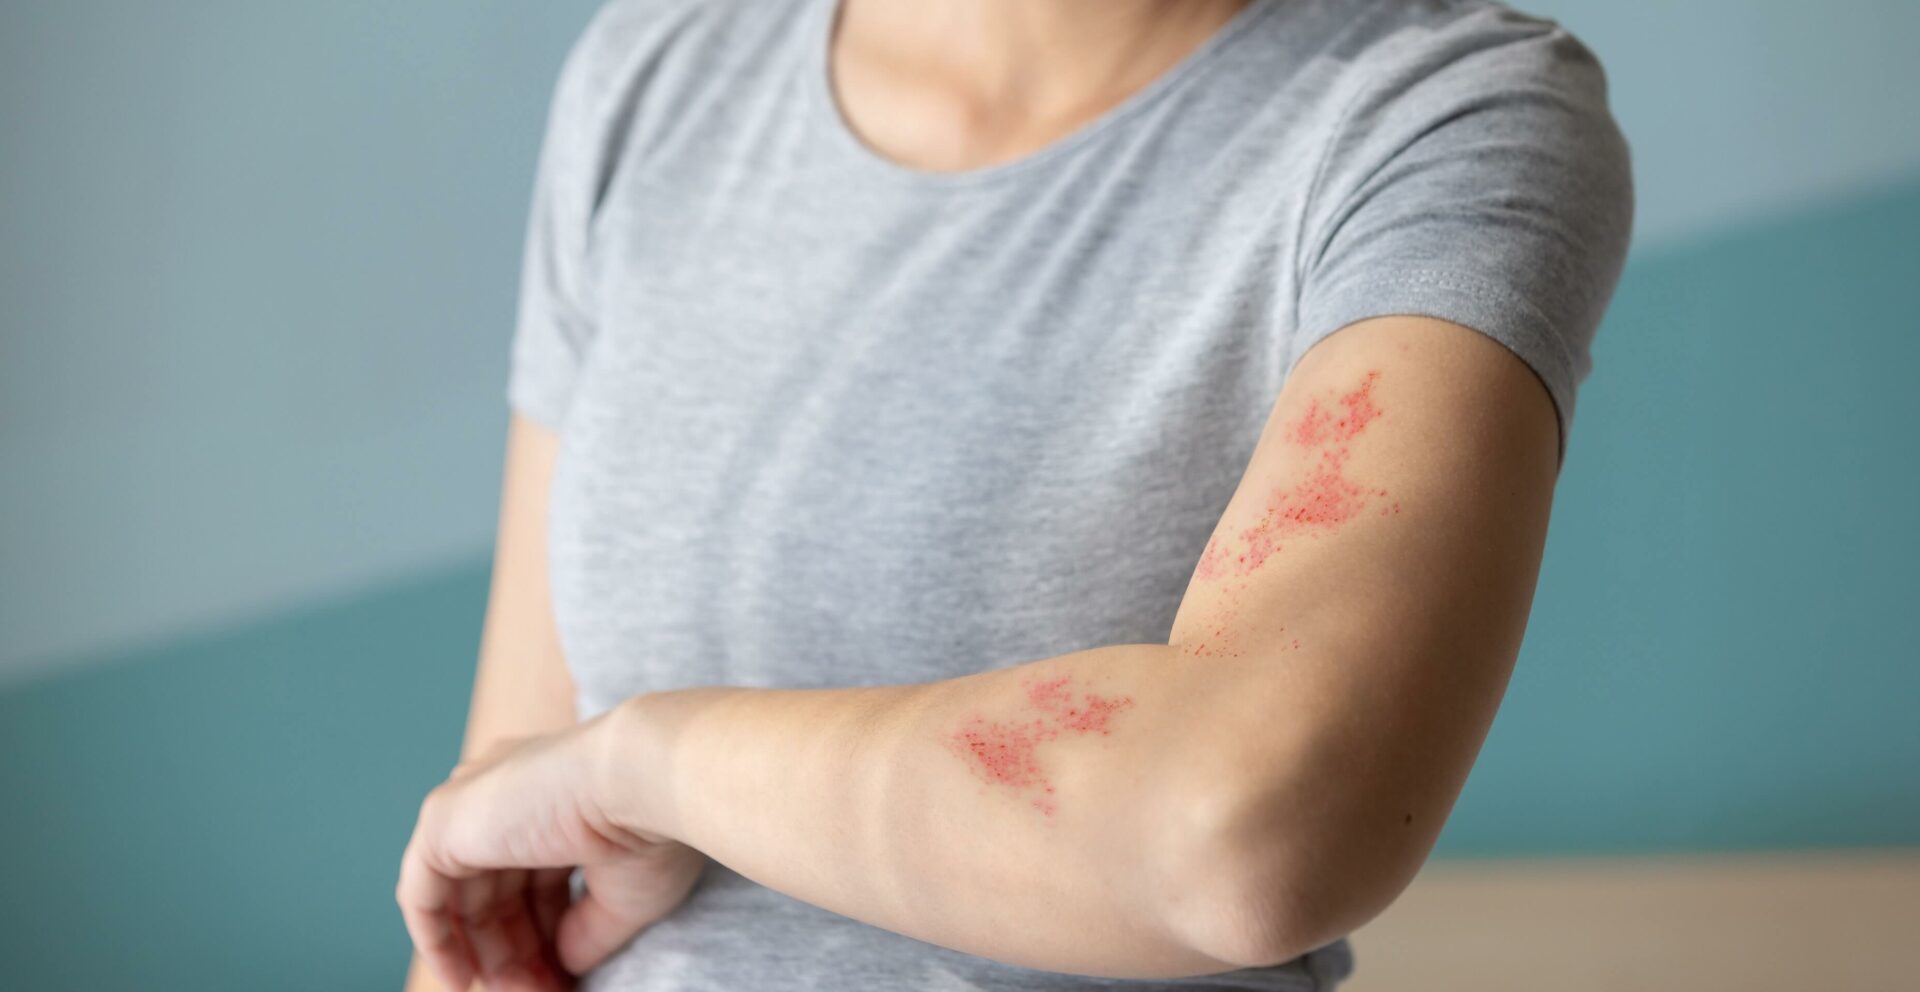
(821, 449)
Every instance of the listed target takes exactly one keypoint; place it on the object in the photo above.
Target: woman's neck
(961, 84)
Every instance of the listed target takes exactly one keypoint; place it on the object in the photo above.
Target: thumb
(590, 931)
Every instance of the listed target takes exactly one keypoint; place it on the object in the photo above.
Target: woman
(979, 562)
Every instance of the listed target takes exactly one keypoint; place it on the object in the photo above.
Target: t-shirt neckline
(856, 154)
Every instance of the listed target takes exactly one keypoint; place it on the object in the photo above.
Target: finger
(548, 893)
(486, 904)
(590, 931)
(443, 947)
(427, 905)
(507, 946)
(543, 901)
(546, 897)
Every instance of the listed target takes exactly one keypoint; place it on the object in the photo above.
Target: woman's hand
(483, 882)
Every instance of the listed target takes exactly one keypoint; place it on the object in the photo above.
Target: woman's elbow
(1263, 880)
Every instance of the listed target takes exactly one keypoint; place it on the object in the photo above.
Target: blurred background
(258, 275)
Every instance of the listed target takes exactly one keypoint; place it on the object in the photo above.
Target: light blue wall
(256, 288)
(257, 267)
(1740, 110)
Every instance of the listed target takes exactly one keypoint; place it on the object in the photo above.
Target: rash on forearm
(1008, 753)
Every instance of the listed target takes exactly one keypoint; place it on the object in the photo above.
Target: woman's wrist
(635, 760)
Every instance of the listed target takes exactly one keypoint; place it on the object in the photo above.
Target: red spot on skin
(1006, 752)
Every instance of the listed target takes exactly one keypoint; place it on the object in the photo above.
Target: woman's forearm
(1061, 814)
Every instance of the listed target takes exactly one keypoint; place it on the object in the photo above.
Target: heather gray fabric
(829, 421)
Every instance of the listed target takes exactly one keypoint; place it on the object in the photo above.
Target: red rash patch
(1320, 502)
(1318, 426)
(1007, 752)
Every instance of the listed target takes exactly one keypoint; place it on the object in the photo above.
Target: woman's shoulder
(1403, 41)
(1401, 71)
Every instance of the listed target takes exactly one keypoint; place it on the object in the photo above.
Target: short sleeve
(555, 321)
(1478, 177)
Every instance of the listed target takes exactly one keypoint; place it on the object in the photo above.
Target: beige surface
(1800, 921)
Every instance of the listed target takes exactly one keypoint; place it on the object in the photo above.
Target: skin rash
(1321, 502)
(1007, 752)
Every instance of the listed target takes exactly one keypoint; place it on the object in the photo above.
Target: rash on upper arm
(1362, 598)
(1318, 499)
(1322, 500)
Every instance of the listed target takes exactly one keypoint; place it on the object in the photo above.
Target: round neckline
(858, 154)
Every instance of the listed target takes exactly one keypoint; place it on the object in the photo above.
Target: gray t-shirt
(827, 420)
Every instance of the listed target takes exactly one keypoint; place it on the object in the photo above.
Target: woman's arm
(1264, 783)
(521, 687)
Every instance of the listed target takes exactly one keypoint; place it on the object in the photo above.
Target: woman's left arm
(1260, 785)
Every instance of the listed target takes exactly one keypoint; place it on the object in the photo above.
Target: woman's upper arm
(1363, 599)
(1360, 608)
(521, 686)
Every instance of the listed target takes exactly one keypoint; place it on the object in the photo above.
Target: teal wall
(228, 812)
(255, 295)
(1722, 656)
